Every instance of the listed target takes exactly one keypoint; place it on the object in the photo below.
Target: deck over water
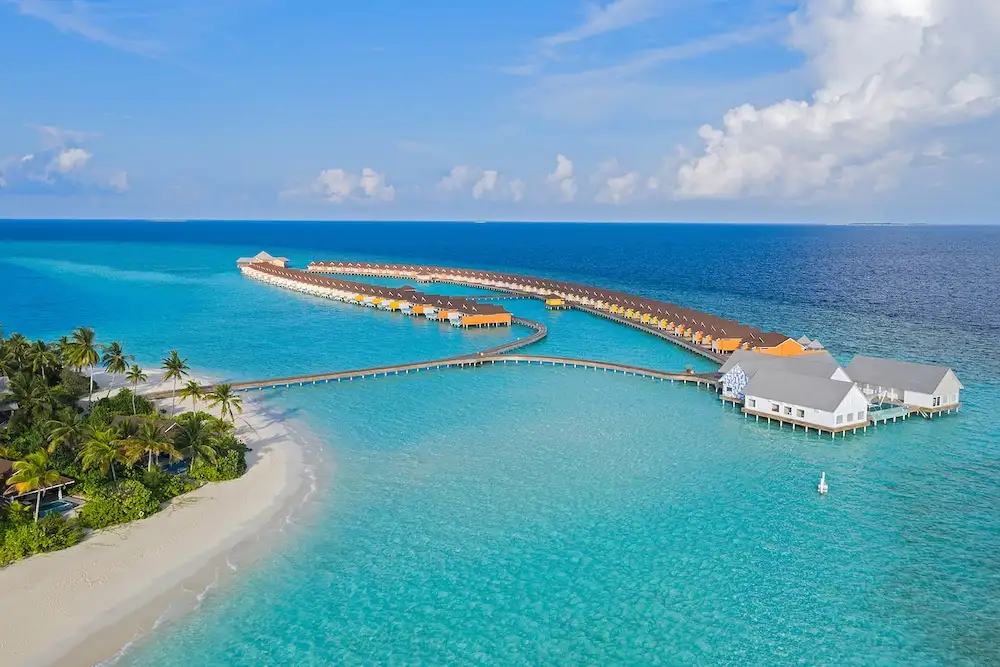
(491, 356)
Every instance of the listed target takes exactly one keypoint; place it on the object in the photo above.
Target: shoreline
(120, 583)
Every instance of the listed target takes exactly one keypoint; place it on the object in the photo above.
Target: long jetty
(472, 361)
(494, 355)
(704, 334)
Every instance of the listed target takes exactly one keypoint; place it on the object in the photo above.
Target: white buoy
(823, 488)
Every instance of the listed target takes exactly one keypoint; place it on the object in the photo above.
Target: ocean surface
(517, 515)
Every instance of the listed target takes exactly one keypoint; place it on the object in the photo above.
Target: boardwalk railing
(459, 362)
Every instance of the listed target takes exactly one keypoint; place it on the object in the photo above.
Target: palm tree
(135, 376)
(101, 450)
(151, 440)
(175, 369)
(33, 474)
(193, 391)
(14, 352)
(33, 397)
(68, 429)
(195, 443)
(115, 361)
(81, 352)
(41, 357)
(227, 400)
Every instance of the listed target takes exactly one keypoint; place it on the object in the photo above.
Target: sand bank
(51, 603)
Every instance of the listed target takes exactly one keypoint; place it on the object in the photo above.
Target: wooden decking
(458, 362)
(499, 354)
(781, 419)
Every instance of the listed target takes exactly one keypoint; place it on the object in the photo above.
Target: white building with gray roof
(927, 386)
(812, 402)
(743, 365)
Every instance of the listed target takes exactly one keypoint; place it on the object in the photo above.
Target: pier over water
(769, 375)
(704, 334)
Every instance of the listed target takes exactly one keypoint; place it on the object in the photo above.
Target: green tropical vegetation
(126, 457)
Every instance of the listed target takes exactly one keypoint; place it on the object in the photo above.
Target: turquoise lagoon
(526, 515)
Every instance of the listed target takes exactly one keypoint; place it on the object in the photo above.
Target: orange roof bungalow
(726, 345)
(485, 320)
(780, 345)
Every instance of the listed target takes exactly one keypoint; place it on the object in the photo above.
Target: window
(788, 410)
(840, 419)
(775, 407)
(753, 402)
(800, 413)
(936, 402)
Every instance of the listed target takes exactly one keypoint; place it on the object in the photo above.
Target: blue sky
(826, 110)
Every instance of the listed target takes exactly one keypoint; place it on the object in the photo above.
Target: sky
(835, 111)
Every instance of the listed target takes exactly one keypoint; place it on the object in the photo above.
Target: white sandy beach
(53, 602)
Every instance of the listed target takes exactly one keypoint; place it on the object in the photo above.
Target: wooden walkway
(508, 293)
(457, 362)
(494, 355)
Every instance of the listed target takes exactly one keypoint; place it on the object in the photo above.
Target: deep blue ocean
(521, 515)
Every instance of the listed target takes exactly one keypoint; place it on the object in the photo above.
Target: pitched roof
(262, 256)
(819, 364)
(772, 339)
(895, 374)
(808, 391)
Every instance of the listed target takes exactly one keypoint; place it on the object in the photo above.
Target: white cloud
(487, 183)
(561, 180)
(103, 22)
(614, 15)
(119, 181)
(481, 184)
(891, 73)
(339, 186)
(374, 186)
(614, 184)
(61, 166)
(69, 159)
(460, 178)
(635, 83)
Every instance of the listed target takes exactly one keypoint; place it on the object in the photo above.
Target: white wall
(854, 403)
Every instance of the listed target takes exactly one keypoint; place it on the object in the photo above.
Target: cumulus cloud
(339, 186)
(614, 184)
(890, 72)
(62, 166)
(69, 159)
(561, 180)
(480, 183)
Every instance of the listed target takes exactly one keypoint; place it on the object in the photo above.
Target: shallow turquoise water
(526, 515)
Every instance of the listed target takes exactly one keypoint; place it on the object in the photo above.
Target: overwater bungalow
(930, 387)
(263, 258)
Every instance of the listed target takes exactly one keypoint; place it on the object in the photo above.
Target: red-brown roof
(697, 320)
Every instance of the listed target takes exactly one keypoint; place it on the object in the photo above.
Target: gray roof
(819, 364)
(810, 392)
(895, 374)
